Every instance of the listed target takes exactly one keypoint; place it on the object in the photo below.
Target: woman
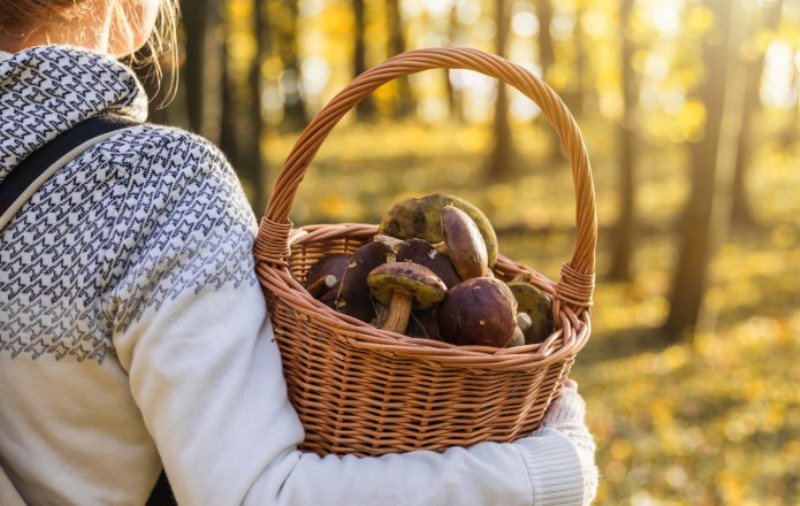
(133, 333)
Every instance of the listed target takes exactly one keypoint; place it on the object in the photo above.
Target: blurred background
(690, 113)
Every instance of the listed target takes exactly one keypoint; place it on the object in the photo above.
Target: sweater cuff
(554, 468)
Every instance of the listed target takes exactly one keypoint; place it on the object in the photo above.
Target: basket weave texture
(364, 391)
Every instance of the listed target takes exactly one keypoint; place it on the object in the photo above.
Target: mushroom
(421, 218)
(353, 298)
(518, 339)
(523, 324)
(390, 241)
(524, 321)
(381, 312)
(423, 324)
(403, 285)
(533, 302)
(322, 285)
(422, 253)
(478, 311)
(319, 276)
(463, 244)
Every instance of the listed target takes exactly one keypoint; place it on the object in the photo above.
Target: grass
(712, 421)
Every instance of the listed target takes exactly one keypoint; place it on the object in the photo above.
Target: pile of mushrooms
(428, 274)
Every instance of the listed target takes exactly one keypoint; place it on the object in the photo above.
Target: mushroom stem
(522, 277)
(399, 312)
(518, 339)
(441, 247)
(322, 285)
(524, 321)
(388, 240)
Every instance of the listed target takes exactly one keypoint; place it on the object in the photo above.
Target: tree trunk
(242, 122)
(286, 28)
(256, 160)
(454, 98)
(404, 102)
(546, 50)
(626, 222)
(157, 114)
(711, 162)
(741, 212)
(147, 76)
(544, 11)
(228, 127)
(202, 70)
(575, 100)
(501, 161)
(365, 110)
(791, 131)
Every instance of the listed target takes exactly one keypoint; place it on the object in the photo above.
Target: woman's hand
(566, 415)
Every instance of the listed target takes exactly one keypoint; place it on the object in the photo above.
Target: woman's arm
(205, 371)
(206, 374)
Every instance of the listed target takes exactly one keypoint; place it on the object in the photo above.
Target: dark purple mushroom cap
(423, 253)
(533, 302)
(354, 298)
(465, 246)
(334, 265)
(422, 284)
(479, 311)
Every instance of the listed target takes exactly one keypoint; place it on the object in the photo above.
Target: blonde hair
(162, 46)
(160, 50)
(22, 13)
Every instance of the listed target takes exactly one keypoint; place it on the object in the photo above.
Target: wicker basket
(364, 391)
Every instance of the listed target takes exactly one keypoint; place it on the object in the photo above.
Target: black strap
(24, 174)
(29, 170)
(162, 493)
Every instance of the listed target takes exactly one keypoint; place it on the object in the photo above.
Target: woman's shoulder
(161, 148)
(165, 169)
(166, 158)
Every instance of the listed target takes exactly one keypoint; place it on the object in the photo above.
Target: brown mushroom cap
(422, 253)
(334, 265)
(354, 298)
(534, 303)
(421, 283)
(465, 246)
(478, 311)
(421, 218)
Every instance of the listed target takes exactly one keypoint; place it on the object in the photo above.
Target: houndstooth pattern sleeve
(184, 226)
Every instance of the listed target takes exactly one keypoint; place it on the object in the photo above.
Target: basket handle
(577, 283)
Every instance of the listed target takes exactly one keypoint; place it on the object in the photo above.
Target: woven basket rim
(563, 344)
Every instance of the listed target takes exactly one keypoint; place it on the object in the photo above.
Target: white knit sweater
(133, 332)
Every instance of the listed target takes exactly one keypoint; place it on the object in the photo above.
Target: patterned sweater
(133, 333)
